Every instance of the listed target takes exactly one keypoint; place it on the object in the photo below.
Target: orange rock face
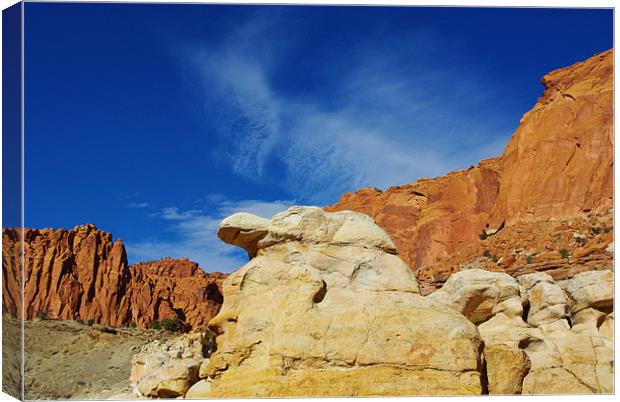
(175, 289)
(81, 274)
(431, 218)
(559, 162)
(557, 165)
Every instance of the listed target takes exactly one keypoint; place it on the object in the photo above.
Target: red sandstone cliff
(557, 165)
(431, 217)
(174, 288)
(82, 274)
(559, 162)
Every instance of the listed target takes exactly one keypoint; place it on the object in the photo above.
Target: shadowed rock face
(175, 289)
(557, 165)
(326, 308)
(81, 274)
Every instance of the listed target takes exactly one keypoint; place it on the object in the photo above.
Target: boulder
(168, 369)
(200, 390)
(326, 308)
(480, 294)
(591, 289)
(566, 362)
(547, 302)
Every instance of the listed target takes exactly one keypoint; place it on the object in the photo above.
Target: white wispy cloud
(394, 118)
(194, 233)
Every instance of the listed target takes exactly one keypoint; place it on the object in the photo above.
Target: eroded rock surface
(82, 274)
(176, 289)
(169, 369)
(559, 344)
(326, 307)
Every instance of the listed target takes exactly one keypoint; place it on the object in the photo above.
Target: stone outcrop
(479, 295)
(559, 344)
(326, 308)
(561, 249)
(169, 369)
(82, 274)
(557, 166)
(176, 289)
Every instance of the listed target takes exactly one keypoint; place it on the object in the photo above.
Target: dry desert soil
(72, 360)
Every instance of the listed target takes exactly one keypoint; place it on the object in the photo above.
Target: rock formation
(559, 162)
(168, 369)
(69, 274)
(558, 165)
(81, 274)
(176, 289)
(557, 345)
(431, 218)
(561, 249)
(326, 307)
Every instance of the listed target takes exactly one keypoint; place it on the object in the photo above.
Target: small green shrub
(486, 254)
(564, 253)
(529, 259)
(155, 325)
(169, 325)
(580, 240)
(594, 230)
(90, 322)
(483, 235)
(132, 324)
(608, 229)
(494, 258)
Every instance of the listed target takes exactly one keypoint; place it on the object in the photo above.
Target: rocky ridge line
(81, 274)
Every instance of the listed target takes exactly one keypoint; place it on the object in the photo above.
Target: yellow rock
(506, 368)
(323, 311)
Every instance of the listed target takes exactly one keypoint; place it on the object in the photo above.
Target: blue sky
(156, 121)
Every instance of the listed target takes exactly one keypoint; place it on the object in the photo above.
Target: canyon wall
(82, 274)
(559, 162)
(558, 165)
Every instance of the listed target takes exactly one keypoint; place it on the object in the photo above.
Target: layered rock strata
(82, 274)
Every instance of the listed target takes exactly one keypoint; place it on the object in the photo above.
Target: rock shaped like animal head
(303, 224)
(243, 230)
